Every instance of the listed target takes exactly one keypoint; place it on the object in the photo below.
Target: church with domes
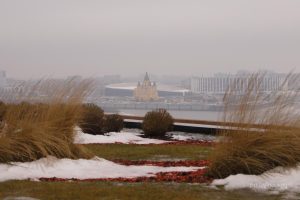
(147, 91)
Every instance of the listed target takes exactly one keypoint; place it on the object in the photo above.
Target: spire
(146, 77)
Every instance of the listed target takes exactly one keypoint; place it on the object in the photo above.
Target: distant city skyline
(140, 75)
(137, 74)
(60, 38)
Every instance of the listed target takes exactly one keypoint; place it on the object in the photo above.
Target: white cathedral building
(147, 91)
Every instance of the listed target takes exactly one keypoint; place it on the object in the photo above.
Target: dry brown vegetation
(34, 130)
(254, 151)
(113, 123)
(92, 119)
(157, 123)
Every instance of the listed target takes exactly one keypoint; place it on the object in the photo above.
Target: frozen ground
(79, 169)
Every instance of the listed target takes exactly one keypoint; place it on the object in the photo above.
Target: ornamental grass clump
(35, 130)
(92, 119)
(263, 131)
(157, 123)
(113, 123)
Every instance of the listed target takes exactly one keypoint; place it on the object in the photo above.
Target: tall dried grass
(275, 140)
(45, 126)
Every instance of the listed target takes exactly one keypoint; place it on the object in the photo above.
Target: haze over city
(150, 99)
(178, 37)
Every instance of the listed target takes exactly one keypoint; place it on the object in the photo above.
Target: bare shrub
(92, 119)
(157, 123)
(113, 123)
(2, 110)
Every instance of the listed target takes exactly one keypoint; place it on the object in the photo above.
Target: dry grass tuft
(274, 142)
(45, 126)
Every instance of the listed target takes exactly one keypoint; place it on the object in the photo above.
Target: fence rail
(217, 124)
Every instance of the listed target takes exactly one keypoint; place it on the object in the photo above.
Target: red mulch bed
(198, 142)
(175, 142)
(178, 177)
(183, 163)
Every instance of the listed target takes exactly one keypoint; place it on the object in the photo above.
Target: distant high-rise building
(294, 82)
(146, 91)
(239, 82)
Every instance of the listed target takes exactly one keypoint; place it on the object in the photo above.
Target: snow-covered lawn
(96, 168)
(133, 136)
(276, 180)
(122, 137)
(79, 169)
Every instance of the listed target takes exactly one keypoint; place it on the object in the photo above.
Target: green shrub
(113, 123)
(156, 123)
(92, 119)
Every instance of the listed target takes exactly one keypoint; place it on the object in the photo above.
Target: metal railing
(212, 123)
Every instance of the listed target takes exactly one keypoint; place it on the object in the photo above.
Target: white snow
(276, 180)
(133, 137)
(80, 169)
(181, 137)
(113, 137)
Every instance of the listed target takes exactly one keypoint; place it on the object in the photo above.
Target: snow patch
(276, 180)
(19, 198)
(113, 137)
(182, 137)
(80, 169)
(133, 136)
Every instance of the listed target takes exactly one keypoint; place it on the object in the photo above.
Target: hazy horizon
(93, 38)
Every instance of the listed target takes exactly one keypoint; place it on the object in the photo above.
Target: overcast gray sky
(189, 37)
